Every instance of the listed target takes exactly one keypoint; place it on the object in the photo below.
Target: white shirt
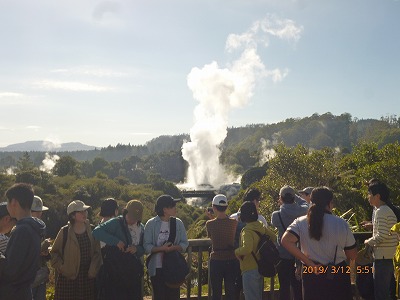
(260, 218)
(336, 237)
(162, 238)
(135, 232)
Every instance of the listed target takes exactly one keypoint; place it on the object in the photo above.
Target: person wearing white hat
(223, 263)
(42, 275)
(78, 259)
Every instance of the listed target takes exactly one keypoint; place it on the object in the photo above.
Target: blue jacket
(111, 232)
(151, 233)
(289, 212)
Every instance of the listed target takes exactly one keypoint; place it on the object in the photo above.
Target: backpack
(269, 256)
(121, 266)
(174, 265)
(174, 268)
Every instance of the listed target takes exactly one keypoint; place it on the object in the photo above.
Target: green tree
(25, 163)
(66, 165)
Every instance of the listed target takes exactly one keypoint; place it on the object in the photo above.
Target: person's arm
(246, 246)
(139, 248)
(56, 259)
(300, 201)
(105, 232)
(351, 253)
(350, 249)
(289, 241)
(381, 231)
(148, 241)
(96, 260)
(183, 242)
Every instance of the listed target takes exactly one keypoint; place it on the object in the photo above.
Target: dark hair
(288, 198)
(377, 187)
(380, 188)
(251, 195)
(248, 212)
(220, 208)
(23, 193)
(71, 218)
(108, 207)
(320, 198)
(160, 209)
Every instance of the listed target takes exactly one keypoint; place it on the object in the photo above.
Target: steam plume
(49, 162)
(219, 90)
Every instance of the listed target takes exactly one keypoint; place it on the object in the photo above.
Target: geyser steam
(219, 90)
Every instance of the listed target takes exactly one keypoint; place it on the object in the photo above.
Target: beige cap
(134, 209)
(76, 205)
(37, 204)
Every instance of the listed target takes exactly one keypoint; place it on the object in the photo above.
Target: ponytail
(320, 198)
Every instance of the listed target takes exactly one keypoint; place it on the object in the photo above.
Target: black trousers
(317, 287)
(160, 290)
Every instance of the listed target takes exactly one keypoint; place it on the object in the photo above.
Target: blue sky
(108, 72)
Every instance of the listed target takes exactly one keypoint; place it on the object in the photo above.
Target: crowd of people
(107, 261)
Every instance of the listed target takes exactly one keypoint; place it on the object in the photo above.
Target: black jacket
(22, 259)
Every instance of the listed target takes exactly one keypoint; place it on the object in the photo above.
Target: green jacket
(249, 242)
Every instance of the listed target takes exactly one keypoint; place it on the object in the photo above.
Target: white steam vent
(219, 90)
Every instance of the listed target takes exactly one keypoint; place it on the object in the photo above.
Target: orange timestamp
(330, 269)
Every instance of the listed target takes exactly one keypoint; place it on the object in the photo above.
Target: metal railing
(197, 247)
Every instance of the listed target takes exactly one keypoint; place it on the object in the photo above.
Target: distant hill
(43, 146)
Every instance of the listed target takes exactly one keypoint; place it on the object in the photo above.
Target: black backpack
(174, 266)
(269, 256)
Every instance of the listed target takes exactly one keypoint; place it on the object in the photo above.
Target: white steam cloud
(267, 152)
(51, 143)
(219, 90)
(49, 162)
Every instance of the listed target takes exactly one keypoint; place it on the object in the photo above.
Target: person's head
(322, 202)
(220, 202)
(248, 212)
(378, 191)
(166, 206)
(6, 222)
(252, 195)
(287, 194)
(77, 211)
(133, 212)
(19, 199)
(109, 208)
(37, 207)
(306, 193)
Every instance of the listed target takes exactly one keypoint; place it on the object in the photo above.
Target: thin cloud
(10, 95)
(71, 86)
(12, 98)
(89, 71)
(261, 30)
(33, 127)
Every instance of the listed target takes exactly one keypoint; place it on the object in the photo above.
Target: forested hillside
(241, 149)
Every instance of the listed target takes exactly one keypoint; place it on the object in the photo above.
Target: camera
(210, 210)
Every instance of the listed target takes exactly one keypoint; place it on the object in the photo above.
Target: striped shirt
(383, 241)
(3, 243)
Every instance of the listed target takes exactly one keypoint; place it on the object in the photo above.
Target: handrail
(202, 245)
